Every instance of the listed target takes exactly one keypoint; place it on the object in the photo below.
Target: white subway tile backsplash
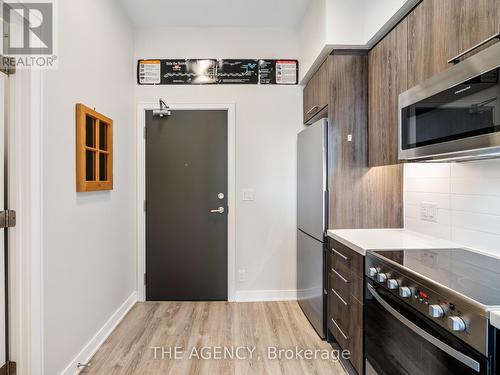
(481, 204)
(476, 222)
(441, 199)
(443, 215)
(428, 228)
(476, 186)
(476, 169)
(468, 200)
(428, 185)
(427, 170)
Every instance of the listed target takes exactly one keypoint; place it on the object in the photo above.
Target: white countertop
(362, 240)
(495, 319)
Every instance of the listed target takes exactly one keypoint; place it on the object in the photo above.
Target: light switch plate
(248, 194)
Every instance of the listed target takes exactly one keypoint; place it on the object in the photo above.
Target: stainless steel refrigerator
(312, 203)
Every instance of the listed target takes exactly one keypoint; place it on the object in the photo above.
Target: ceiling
(219, 13)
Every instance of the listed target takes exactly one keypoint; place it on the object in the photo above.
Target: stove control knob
(372, 272)
(436, 311)
(404, 292)
(392, 284)
(456, 324)
(381, 277)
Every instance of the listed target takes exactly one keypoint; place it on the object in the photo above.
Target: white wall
(312, 37)
(338, 24)
(468, 197)
(267, 121)
(88, 238)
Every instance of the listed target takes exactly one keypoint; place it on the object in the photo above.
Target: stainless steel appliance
(312, 195)
(427, 312)
(454, 115)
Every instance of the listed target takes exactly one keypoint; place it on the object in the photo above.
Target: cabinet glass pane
(89, 131)
(103, 136)
(103, 167)
(89, 165)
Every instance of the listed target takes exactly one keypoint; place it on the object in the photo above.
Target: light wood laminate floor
(188, 325)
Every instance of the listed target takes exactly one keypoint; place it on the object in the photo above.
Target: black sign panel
(238, 72)
(212, 71)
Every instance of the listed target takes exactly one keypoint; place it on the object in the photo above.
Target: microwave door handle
(470, 362)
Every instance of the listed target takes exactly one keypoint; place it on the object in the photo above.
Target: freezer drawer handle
(470, 362)
(340, 255)
(340, 276)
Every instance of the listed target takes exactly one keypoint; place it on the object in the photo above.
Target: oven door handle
(466, 360)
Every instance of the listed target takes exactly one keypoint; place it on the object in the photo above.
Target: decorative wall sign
(212, 71)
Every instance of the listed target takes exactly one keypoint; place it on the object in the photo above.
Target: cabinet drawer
(346, 261)
(340, 310)
(339, 284)
(340, 336)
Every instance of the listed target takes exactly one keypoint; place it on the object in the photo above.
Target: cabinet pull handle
(456, 59)
(312, 109)
(341, 332)
(340, 255)
(339, 297)
(340, 276)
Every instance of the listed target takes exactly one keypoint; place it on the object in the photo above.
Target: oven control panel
(457, 315)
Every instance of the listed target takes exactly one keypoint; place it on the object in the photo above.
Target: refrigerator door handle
(325, 208)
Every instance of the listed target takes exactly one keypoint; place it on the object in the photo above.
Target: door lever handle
(220, 210)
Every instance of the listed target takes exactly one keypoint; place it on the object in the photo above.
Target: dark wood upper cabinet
(387, 78)
(439, 30)
(478, 20)
(316, 93)
(433, 30)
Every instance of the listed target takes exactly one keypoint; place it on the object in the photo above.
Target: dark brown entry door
(186, 184)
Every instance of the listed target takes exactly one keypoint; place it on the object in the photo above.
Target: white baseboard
(95, 343)
(265, 295)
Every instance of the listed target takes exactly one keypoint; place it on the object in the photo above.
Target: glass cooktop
(471, 274)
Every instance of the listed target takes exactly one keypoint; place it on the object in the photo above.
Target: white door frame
(25, 240)
(231, 185)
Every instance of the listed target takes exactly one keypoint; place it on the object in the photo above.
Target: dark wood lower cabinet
(345, 301)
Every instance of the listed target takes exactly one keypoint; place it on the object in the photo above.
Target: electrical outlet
(242, 275)
(429, 212)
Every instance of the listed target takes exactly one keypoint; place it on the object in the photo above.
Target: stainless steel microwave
(454, 115)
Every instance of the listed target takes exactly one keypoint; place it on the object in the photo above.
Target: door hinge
(8, 369)
(144, 132)
(144, 204)
(145, 279)
(7, 219)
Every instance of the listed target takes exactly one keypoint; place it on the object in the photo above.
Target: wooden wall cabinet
(94, 150)
(419, 47)
(438, 30)
(387, 78)
(316, 94)
(359, 196)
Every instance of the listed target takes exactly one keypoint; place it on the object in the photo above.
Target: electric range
(431, 306)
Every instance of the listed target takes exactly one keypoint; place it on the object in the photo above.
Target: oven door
(399, 340)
